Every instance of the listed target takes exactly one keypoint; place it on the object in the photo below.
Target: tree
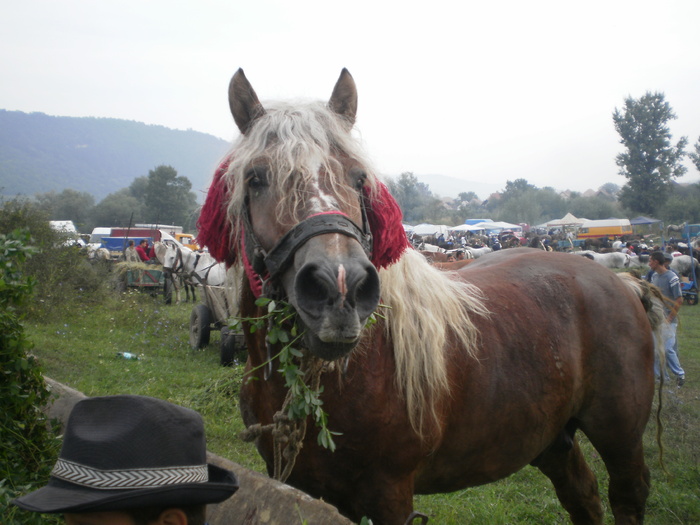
(414, 197)
(610, 188)
(116, 209)
(650, 162)
(67, 205)
(516, 188)
(168, 198)
(695, 157)
(468, 196)
(138, 188)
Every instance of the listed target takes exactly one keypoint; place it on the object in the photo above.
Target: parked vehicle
(187, 239)
(610, 228)
(116, 239)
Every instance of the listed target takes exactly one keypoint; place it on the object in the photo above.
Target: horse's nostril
(311, 290)
(367, 292)
(317, 288)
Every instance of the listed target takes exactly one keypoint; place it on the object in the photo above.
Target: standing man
(142, 250)
(668, 282)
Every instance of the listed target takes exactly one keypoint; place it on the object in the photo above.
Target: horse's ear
(344, 98)
(244, 103)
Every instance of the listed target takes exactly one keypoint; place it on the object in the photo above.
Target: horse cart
(214, 313)
(141, 278)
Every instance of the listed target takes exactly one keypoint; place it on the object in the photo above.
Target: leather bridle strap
(280, 256)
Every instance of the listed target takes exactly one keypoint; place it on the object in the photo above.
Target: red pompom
(383, 214)
(385, 223)
(214, 225)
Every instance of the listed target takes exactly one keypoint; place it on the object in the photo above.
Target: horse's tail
(653, 302)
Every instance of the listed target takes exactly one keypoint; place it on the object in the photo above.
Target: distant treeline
(40, 153)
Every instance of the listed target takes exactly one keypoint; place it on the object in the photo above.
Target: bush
(28, 441)
(63, 274)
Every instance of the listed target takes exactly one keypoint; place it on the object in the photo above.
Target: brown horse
(450, 389)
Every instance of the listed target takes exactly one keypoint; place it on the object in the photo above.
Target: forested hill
(40, 153)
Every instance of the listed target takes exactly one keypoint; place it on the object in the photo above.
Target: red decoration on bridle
(215, 226)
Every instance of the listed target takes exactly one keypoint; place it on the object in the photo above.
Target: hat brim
(60, 496)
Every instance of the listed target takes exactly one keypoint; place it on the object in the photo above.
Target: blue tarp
(118, 244)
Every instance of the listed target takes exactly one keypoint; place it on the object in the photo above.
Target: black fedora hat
(125, 452)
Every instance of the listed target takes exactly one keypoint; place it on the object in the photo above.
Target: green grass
(80, 350)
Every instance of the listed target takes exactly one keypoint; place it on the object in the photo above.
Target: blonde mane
(297, 140)
(427, 308)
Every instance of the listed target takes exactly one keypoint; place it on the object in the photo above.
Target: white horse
(197, 267)
(684, 264)
(477, 252)
(98, 254)
(174, 281)
(427, 247)
(609, 260)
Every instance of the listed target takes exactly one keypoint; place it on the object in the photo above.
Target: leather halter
(278, 259)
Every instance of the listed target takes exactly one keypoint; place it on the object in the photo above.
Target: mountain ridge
(40, 153)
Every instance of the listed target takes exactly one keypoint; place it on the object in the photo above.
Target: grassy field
(79, 348)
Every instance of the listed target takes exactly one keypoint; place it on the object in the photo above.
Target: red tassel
(383, 214)
(389, 237)
(214, 225)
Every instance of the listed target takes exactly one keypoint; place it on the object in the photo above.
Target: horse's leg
(575, 484)
(387, 500)
(177, 286)
(629, 476)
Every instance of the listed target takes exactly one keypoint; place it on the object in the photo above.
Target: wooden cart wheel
(232, 346)
(200, 331)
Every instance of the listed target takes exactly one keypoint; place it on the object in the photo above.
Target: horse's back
(566, 340)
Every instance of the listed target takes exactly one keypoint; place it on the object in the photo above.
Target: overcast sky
(481, 91)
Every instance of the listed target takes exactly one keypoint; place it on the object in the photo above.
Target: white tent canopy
(498, 225)
(467, 228)
(567, 220)
(430, 229)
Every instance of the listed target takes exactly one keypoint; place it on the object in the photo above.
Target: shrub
(63, 275)
(28, 441)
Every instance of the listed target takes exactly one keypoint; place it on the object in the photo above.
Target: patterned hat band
(128, 478)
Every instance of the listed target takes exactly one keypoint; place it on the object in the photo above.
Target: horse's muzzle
(334, 297)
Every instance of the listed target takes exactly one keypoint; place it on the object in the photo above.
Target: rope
(287, 434)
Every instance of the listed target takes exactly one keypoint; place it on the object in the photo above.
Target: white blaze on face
(321, 201)
(342, 284)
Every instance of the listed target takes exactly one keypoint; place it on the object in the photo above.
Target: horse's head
(300, 202)
(168, 257)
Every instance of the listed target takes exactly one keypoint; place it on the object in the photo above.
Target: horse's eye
(256, 178)
(359, 177)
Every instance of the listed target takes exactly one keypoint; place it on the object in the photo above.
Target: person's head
(131, 243)
(144, 242)
(656, 260)
(135, 460)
